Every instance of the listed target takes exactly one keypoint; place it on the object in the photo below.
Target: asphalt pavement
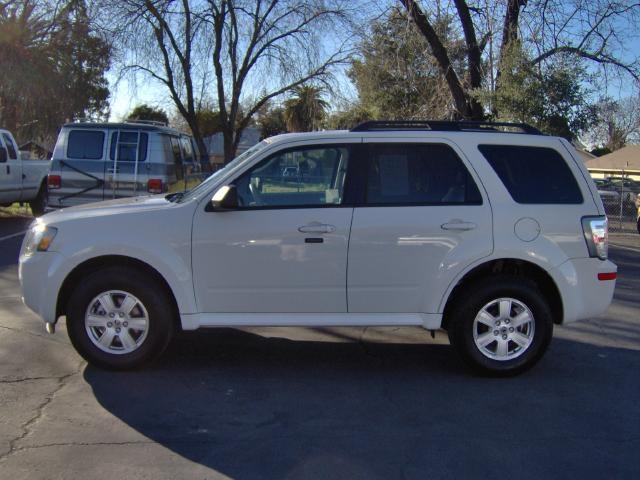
(295, 403)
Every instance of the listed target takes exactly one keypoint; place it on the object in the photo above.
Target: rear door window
(85, 144)
(177, 157)
(10, 147)
(127, 144)
(533, 175)
(187, 151)
(418, 174)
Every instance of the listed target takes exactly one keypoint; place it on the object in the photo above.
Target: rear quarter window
(533, 175)
(85, 144)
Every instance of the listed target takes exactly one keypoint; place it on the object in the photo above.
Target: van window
(10, 147)
(533, 175)
(177, 157)
(85, 144)
(127, 143)
(187, 151)
(418, 174)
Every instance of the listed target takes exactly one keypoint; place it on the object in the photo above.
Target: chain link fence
(619, 193)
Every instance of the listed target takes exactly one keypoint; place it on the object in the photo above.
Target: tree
(271, 121)
(595, 32)
(278, 42)
(209, 120)
(553, 98)
(350, 117)
(396, 76)
(618, 124)
(164, 40)
(147, 112)
(53, 67)
(305, 111)
(247, 52)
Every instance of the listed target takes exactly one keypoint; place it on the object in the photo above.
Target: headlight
(39, 239)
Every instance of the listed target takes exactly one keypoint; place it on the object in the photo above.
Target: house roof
(248, 138)
(627, 158)
(33, 143)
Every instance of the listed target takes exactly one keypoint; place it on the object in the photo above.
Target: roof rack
(146, 122)
(445, 126)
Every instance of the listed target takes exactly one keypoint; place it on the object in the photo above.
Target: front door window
(305, 177)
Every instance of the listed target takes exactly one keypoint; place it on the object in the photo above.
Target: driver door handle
(458, 225)
(316, 227)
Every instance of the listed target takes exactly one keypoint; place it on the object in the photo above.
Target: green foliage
(600, 151)
(396, 76)
(306, 110)
(147, 112)
(53, 67)
(349, 118)
(551, 97)
(272, 122)
(209, 121)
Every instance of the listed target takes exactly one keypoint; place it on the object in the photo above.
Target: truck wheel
(39, 203)
(119, 318)
(501, 326)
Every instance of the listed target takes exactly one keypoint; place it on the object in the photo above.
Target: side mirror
(3, 154)
(225, 198)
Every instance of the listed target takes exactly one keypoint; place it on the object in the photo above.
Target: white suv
(492, 235)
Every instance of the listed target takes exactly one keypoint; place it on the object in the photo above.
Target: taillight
(596, 233)
(54, 182)
(154, 185)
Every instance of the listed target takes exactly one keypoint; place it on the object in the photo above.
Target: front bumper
(583, 294)
(40, 280)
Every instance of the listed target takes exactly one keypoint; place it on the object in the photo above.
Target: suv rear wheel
(119, 318)
(501, 326)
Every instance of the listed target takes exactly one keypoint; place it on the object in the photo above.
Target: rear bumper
(583, 294)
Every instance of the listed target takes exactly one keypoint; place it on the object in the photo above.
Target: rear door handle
(316, 227)
(458, 225)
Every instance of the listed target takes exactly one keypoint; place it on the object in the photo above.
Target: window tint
(10, 147)
(418, 174)
(85, 144)
(127, 143)
(295, 178)
(533, 174)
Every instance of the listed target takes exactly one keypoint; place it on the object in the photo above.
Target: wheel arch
(513, 266)
(75, 276)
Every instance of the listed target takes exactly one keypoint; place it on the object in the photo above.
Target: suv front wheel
(119, 318)
(501, 326)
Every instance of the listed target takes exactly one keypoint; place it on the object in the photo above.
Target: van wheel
(38, 204)
(501, 326)
(119, 318)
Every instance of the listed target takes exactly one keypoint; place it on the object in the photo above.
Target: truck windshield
(232, 165)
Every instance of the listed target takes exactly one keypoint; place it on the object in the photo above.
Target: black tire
(39, 203)
(638, 225)
(472, 300)
(151, 294)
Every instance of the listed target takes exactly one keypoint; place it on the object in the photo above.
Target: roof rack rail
(445, 126)
(146, 122)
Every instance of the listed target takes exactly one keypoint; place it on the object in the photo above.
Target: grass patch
(15, 210)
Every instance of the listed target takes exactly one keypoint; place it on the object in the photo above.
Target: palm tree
(305, 111)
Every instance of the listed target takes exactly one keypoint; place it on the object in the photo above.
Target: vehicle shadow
(248, 406)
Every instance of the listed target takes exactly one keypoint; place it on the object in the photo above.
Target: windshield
(194, 192)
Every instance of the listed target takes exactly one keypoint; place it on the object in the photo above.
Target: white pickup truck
(21, 180)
